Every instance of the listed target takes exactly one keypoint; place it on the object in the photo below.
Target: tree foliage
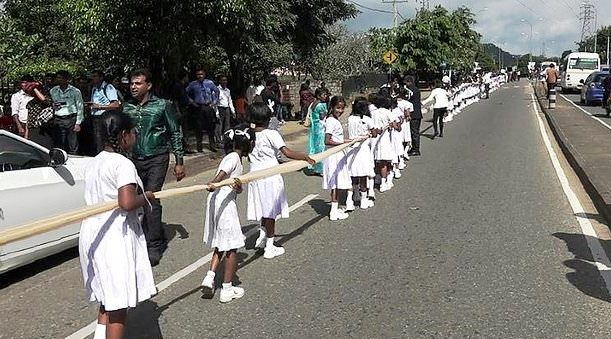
(245, 38)
(348, 55)
(431, 39)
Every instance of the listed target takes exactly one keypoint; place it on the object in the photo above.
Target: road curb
(574, 159)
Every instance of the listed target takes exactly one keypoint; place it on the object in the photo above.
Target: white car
(36, 183)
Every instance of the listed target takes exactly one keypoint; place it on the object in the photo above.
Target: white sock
(334, 207)
(261, 232)
(212, 273)
(370, 184)
(227, 286)
(270, 242)
(100, 331)
(349, 197)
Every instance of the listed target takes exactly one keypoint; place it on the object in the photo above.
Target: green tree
(432, 38)
(348, 55)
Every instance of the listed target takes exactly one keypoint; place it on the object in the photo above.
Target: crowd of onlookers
(62, 111)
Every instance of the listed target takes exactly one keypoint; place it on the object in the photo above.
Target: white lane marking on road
(89, 329)
(598, 253)
(586, 112)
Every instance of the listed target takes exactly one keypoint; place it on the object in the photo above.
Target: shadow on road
(39, 266)
(143, 321)
(586, 276)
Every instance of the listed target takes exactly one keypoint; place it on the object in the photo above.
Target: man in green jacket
(158, 134)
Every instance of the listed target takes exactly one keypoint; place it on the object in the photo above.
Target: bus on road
(576, 67)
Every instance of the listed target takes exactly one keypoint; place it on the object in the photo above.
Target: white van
(577, 67)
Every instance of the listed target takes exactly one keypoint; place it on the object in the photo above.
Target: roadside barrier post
(552, 98)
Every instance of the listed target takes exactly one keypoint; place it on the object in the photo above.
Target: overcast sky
(500, 21)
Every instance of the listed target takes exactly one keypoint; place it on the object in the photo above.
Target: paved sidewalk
(586, 144)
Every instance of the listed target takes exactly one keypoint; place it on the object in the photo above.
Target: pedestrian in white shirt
(225, 108)
(440, 107)
(19, 110)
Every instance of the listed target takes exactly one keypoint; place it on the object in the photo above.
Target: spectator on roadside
(203, 98)
(551, 77)
(6, 120)
(225, 108)
(252, 91)
(269, 96)
(607, 88)
(19, 101)
(240, 104)
(158, 132)
(118, 85)
(416, 115)
(104, 98)
(306, 97)
(49, 82)
(68, 106)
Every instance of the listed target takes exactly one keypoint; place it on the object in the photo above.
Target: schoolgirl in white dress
(407, 108)
(112, 248)
(336, 175)
(372, 99)
(360, 158)
(383, 148)
(396, 137)
(222, 229)
(267, 197)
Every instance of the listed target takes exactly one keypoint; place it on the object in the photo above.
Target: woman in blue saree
(316, 135)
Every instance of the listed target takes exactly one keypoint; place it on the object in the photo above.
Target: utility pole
(395, 12)
(588, 23)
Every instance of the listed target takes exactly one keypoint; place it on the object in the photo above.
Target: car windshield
(583, 63)
(599, 78)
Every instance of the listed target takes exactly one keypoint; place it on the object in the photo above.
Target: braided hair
(115, 123)
(241, 137)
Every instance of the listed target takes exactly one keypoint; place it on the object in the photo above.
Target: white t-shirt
(267, 145)
(19, 101)
(334, 127)
(232, 166)
(440, 96)
(382, 117)
(405, 105)
(397, 114)
(359, 127)
(106, 174)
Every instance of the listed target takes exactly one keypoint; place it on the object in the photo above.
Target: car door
(30, 189)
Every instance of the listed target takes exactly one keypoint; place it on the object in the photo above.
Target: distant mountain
(506, 58)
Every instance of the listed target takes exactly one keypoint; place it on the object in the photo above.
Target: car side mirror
(58, 157)
(582, 81)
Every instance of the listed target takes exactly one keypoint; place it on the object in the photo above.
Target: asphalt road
(476, 240)
(596, 110)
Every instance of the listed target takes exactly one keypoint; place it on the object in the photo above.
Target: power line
(369, 8)
(525, 6)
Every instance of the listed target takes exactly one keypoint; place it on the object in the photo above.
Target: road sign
(390, 57)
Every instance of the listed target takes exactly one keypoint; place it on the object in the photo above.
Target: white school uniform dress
(222, 227)
(360, 158)
(335, 174)
(267, 196)
(374, 140)
(397, 136)
(383, 149)
(112, 248)
(406, 106)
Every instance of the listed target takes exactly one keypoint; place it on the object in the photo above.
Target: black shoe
(441, 135)
(154, 257)
(414, 154)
